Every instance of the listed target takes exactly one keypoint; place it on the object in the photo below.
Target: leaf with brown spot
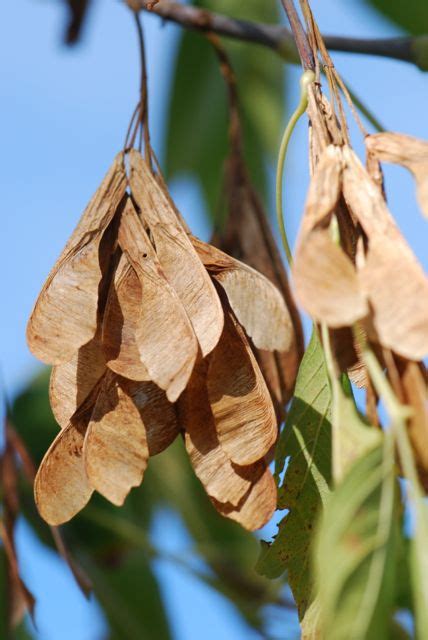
(256, 302)
(65, 314)
(61, 487)
(240, 401)
(115, 448)
(165, 337)
(408, 151)
(257, 507)
(120, 321)
(221, 479)
(71, 383)
(392, 278)
(179, 260)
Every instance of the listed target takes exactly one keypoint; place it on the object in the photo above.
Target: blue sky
(65, 113)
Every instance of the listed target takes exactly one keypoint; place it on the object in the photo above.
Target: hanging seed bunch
(353, 268)
(148, 330)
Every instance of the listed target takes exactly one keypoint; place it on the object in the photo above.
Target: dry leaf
(392, 278)
(257, 506)
(240, 401)
(61, 487)
(177, 256)
(221, 479)
(408, 151)
(120, 321)
(71, 383)
(165, 337)
(65, 314)
(115, 448)
(256, 302)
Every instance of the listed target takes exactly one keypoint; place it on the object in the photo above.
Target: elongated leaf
(306, 440)
(358, 537)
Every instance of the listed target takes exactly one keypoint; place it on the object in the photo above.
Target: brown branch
(278, 37)
(299, 34)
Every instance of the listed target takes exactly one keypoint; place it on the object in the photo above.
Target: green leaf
(412, 15)
(198, 119)
(306, 439)
(419, 567)
(356, 550)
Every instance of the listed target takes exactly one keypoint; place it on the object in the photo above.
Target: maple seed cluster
(151, 333)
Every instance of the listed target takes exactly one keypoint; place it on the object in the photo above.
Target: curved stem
(307, 78)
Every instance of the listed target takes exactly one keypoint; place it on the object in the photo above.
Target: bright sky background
(64, 116)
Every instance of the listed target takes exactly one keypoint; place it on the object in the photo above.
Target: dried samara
(150, 332)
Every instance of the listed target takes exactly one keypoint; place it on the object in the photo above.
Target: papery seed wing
(240, 401)
(257, 507)
(65, 314)
(408, 151)
(326, 281)
(121, 317)
(179, 261)
(61, 487)
(165, 337)
(221, 479)
(157, 413)
(413, 377)
(115, 449)
(256, 302)
(72, 382)
(392, 277)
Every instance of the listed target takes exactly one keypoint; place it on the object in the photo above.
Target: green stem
(307, 78)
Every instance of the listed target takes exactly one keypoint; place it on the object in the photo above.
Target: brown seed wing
(157, 413)
(180, 263)
(164, 334)
(221, 479)
(240, 401)
(414, 382)
(408, 151)
(65, 314)
(72, 382)
(392, 277)
(326, 281)
(115, 447)
(120, 321)
(256, 302)
(61, 487)
(257, 507)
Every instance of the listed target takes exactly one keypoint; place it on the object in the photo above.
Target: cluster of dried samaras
(153, 333)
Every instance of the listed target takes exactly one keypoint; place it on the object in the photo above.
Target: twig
(300, 37)
(278, 37)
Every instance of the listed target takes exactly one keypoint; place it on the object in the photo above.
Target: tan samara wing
(222, 480)
(165, 337)
(121, 317)
(240, 401)
(179, 260)
(65, 314)
(61, 487)
(72, 382)
(255, 300)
